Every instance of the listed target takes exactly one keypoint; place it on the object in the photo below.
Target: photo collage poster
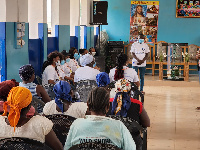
(188, 8)
(144, 20)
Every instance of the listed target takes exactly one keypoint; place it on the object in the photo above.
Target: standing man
(140, 52)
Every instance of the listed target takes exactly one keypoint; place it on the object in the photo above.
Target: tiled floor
(175, 124)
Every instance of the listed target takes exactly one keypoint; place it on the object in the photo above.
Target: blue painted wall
(3, 64)
(170, 28)
(36, 55)
(62, 33)
(15, 57)
(43, 34)
(52, 44)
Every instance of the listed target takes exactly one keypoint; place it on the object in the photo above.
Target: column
(60, 23)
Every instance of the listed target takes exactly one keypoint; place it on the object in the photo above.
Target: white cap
(86, 59)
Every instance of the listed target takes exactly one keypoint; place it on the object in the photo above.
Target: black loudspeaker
(99, 13)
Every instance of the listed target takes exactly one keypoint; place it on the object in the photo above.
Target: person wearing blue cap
(63, 103)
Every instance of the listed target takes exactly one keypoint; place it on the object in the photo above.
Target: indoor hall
(61, 50)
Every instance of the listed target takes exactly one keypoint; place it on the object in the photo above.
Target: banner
(144, 20)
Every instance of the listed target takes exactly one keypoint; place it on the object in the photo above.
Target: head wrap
(61, 90)
(26, 72)
(102, 79)
(18, 98)
(6, 86)
(122, 102)
(86, 59)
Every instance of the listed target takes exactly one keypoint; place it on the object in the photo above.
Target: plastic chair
(37, 104)
(84, 87)
(133, 126)
(49, 90)
(94, 146)
(61, 125)
(39, 80)
(16, 143)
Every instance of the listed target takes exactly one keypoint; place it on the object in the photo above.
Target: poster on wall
(188, 8)
(144, 20)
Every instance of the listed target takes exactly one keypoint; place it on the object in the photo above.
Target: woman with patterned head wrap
(127, 107)
(27, 74)
(18, 125)
(63, 102)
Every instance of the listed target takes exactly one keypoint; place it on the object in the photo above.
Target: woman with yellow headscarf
(18, 125)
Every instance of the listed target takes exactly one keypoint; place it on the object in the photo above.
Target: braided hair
(120, 62)
(71, 52)
(98, 100)
(49, 60)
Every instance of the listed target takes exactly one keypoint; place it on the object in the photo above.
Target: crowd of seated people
(63, 70)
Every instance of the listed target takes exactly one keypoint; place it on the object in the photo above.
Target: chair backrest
(39, 80)
(38, 104)
(94, 146)
(84, 87)
(49, 90)
(131, 124)
(61, 125)
(16, 143)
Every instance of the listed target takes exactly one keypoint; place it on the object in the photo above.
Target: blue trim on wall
(91, 37)
(88, 37)
(73, 42)
(52, 44)
(15, 57)
(77, 34)
(64, 37)
(43, 34)
(3, 64)
(35, 55)
(85, 37)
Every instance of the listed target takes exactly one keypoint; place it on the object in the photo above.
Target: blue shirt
(99, 129)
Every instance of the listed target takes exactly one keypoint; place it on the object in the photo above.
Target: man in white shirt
(87, 72)
(140, 52)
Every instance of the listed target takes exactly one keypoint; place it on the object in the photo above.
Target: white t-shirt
(77, 109)
(129, 74)
(73, 64)
(140, 51)
(49, 74)
(64, 71)
(101, 129)
(85, 73)
(36, 128)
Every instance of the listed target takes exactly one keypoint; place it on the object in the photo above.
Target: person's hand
(140, 62)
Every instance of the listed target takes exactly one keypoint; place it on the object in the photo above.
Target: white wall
(74, 15)
(11, 11)
(37, 13)
(3, 11)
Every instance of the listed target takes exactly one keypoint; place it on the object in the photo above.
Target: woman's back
(36, 128)
(99, 129)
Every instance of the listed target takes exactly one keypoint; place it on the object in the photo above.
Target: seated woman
(74, 56)
(18, 125)
(87, 72)
(5, 88)
(122, 71)
(64, 70)
(97, 127)
(50, 73)
(125, 106)
(63, 102)
(27, 74)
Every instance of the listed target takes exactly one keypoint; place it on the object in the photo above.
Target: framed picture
(188, 8)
